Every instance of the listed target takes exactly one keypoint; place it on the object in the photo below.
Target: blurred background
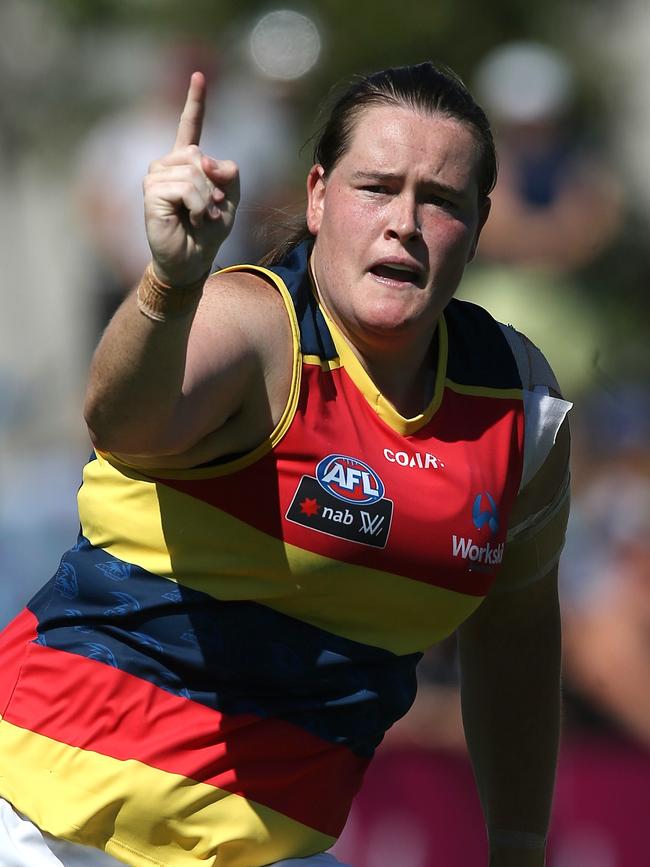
(91, 93)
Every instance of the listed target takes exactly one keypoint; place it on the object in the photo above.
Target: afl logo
(349, 479)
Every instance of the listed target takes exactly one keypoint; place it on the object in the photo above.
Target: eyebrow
(395, 176)
(375, 176)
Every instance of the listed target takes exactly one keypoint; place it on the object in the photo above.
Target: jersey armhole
(534, 544)
(544, 407)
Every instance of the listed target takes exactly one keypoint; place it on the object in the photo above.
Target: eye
(439, 201)
(376, 189)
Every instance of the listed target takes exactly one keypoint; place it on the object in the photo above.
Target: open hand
(190, 199)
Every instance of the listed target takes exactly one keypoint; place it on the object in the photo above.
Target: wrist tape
(160, 302)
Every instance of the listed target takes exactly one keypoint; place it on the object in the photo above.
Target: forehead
(401, 140)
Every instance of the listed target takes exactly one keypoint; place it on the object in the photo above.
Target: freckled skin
(406, 188)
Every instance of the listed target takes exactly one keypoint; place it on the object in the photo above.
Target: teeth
(397, 267)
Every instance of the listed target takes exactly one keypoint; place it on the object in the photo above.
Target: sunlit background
(90, 95)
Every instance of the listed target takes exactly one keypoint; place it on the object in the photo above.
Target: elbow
(113, 430)
(107, 426)
(107, 437)
(130, 434)
(94, 423)
(102, 438)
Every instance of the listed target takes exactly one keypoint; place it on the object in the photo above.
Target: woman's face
(396, 221)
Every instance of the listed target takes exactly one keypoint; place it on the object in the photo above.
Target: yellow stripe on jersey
(120, 809)
(294, 392)
(484, 391)
(182, 538)
(324, 363)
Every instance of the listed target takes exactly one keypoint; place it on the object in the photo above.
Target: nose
(403, 220)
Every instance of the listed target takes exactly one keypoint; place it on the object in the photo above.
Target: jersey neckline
(380, 404)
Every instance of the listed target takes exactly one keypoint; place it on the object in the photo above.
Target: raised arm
(184, 354)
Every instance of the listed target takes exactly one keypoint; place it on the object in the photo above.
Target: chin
(389, 325)
(393, 315)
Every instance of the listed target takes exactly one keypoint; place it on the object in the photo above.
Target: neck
(402, 366)
(408, 382)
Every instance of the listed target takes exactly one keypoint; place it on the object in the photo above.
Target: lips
(396, 272)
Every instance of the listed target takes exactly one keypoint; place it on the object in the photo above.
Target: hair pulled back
(422, 87)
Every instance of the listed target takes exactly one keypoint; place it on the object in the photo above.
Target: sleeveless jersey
(207, 675)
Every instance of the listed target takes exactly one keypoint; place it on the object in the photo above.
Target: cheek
(345, 216)
(449, 250)
(451, 239)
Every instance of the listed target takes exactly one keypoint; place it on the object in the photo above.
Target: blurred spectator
(557, 204)
(604, 782)
(115, 156)
(606, 572)
(556, 208)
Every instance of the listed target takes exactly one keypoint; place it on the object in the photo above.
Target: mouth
(396, 274)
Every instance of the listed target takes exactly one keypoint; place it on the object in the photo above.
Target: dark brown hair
(422, 87)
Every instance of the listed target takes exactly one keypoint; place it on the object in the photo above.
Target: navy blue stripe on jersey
(315, 338)
(469, 327)
(234, 657)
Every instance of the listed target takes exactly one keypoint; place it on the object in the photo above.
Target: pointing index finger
(191, 122)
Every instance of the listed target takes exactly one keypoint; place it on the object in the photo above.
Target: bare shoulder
(242, 321)
(245, 307)
(245, 287)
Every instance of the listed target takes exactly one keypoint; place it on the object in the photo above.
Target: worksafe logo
(482, 516)
(481, 557)
(345, 498)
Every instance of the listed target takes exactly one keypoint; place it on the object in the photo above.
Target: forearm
(511, 709)
(135, 398)
(136, 379)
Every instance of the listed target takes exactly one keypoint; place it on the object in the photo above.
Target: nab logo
(489, 516)
(345, 498)
(349, 479)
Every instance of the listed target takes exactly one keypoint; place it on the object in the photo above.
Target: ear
(315, 198)
(484, 213)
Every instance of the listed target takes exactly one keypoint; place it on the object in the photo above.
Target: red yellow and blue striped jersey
(205, 678)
